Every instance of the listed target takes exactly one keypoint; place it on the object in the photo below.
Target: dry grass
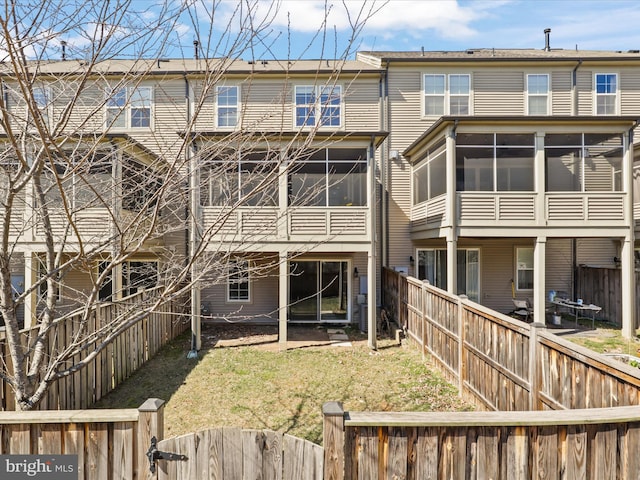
(242, 380)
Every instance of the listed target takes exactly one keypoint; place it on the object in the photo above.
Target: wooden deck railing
(111, 366)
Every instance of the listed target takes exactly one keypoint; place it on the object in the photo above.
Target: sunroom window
(577, 162)
(494, 162)
(429, 177)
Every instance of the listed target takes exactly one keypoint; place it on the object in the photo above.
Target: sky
(448, 25)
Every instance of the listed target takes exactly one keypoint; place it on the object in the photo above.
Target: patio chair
(523, 309)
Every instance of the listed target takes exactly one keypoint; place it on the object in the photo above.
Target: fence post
(534, 366)
(150, 424)
(462, 364)
(333, 440)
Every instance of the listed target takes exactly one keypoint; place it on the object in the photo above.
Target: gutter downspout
(191, 214)
(384, 156)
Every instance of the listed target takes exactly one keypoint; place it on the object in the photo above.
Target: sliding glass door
(318, 291)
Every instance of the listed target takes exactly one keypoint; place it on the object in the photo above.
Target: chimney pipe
(196, 44)
(64, 49)
(547, 47)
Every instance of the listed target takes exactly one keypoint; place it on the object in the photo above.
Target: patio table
(578, 308)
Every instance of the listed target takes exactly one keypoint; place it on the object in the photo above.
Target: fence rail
(501, 363)
(112, 365)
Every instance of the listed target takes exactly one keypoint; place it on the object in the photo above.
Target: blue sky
(453, 25)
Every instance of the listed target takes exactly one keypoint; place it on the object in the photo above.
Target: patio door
(318, 291)
(432, 266)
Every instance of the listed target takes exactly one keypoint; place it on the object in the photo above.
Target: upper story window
(42, 101)
(228, 102)
(446, 94)
(329, 177)
(430, 176)
(318, 105)
(495, 162)
(129, 107)
(589, 162)
(538, 94)
(606, 93)
(240, 178)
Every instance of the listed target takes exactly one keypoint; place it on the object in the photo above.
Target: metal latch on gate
(154, 454)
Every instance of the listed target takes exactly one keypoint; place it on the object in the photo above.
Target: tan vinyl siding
(500, 92)
(169, 103)
(561, 93)
(267, 105)
(559, 265)
(597, 252)
(407, 124)
(585, 92)
(361, 105)
(630, 92)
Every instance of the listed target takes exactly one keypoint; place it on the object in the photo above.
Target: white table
(578, 308)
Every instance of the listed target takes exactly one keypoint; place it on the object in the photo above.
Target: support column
(628, 289)
(283, 299)
(452, 266)
(371, 301)
(30, 301)
(539, 275)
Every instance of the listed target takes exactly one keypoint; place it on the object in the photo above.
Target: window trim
(538, 95)
(616, 95)
(458, 250)
(446, 95)
(127, 108)
(237, 107)
(317, 107)
(46, 111)
(518, 269)
(243, 271)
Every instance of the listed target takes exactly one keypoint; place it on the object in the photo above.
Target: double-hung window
(228, 101)
(446, 94)
(42, 101)
(524, 268)
(538, 94)
(318, 106)
(238, 282)
(606, 93)
(129, 107)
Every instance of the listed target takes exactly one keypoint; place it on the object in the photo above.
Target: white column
(452, 265)
(628, 289)
(539, 275)
(451, 209)
(283, 299)
(371, 301)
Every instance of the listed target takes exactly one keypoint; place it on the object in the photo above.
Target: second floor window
(41, 98)
(228, 99)
(129, 107)
(318, 105)
(606, 93)
(538, 94)
(446, 94)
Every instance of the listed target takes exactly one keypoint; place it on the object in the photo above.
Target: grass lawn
(249, 383)
(605, 338)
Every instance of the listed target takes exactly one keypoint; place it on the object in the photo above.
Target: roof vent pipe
(196, 44)
(63, 44)
(547, 47)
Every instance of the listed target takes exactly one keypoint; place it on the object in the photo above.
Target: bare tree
(106, 165)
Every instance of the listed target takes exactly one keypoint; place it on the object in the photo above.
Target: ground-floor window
(524, 268)
(138, 276)
(238, 281)
(318, 290)
(432, 266)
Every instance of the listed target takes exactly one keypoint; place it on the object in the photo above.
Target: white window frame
(446, 94)
(125, 274)
(221, 94)
(126, 103)
(614, 95)
(320, 101)
(42, 93)
(239, 268)
(537, 94)
(467, 264)
(524, 268)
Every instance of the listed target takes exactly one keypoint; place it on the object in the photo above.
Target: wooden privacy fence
(594, 444)
(233, 453)
(110, 444)
(125, 354)
(504, 364)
